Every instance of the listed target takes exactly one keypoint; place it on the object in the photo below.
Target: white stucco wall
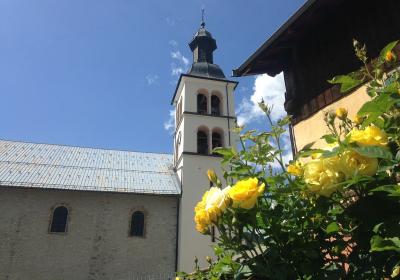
(195, 184)
(97, 244)
(192, 168)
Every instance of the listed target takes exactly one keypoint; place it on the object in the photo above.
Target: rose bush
(332, 213)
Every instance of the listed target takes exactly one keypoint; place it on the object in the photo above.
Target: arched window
(215, 106)
(216, 140)
(137, 224)
(202, 142)
(59, 219)
(201, 104)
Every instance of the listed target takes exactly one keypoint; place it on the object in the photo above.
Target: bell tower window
(215, 106)
(216, 140)
(201, 104)
(202, 143)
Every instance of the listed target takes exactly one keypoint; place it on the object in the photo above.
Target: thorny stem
(278, 142)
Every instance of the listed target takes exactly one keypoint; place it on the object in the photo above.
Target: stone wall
(97, 244)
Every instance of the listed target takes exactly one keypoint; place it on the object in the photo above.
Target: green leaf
(377, 106)
(373, 152)
(393, 190)
(335, 151)
(379, 244)
(308, 146)
(346, 82)
(390, 88)
(376, 227)
(329, 138)
(226, 152)
(308, 153)
(332, 227)
(389, 47)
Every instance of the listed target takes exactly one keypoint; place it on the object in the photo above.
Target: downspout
(177, 225)
(227, 108)
(292, 140)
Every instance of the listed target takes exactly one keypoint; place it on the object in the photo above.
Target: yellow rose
(211, 175)
(370, 136)
(244, 193)
(295, 169)
(211, 206)
(216, 202)
(341, 113)
(357, 119)
(322, 174)
(389, 56)
(396, 271)
(352, 162)
(202, 221)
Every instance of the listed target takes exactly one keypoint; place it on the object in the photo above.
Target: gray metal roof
(85, 169)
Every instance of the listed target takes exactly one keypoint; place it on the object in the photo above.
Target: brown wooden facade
(315, 44)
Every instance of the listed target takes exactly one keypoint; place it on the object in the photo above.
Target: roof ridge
(83, 147)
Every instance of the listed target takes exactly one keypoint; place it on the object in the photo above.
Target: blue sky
(101, 73)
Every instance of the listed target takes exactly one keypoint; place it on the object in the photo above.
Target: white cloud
(272, 90)
(181, 58)
(173, 43)
(176, 70)
(170, 21)
(151, 79)
(170, 123)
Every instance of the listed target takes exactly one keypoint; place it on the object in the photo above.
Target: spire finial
(202, 18)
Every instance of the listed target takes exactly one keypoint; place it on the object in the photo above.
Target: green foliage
(294, 232)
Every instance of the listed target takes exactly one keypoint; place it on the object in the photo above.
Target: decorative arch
(202, 141)
(59, 219)
(137, 225)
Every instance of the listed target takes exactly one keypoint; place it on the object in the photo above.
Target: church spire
(203, 46)
(203, 24)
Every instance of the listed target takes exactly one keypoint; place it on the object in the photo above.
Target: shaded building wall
(97, 244)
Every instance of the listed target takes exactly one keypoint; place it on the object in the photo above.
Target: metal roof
(86, 169)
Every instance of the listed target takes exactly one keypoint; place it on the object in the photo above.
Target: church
(86, 213)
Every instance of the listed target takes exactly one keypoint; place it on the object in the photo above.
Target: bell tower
(205, 116)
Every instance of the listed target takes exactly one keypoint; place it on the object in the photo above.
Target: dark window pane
(202, 143)
(137, 224)
(201, 104)
(215, 106)
(216, 140)
(59, 221)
